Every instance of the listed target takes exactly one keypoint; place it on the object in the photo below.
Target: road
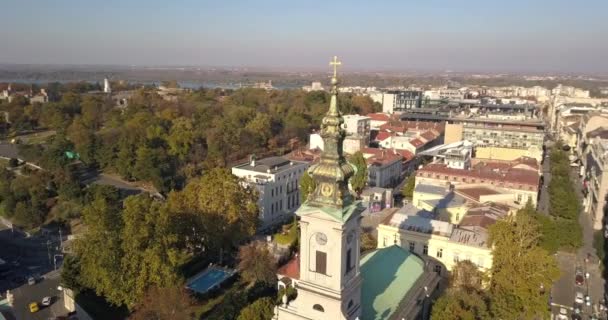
(45, 287)
(34, 256)
(564, 289)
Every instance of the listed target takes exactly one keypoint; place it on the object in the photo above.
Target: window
(439, 253)
(348, 261)
(318, 307)
(425, 249)
(480, 262)
(457, 216)
(456, 257)
(438, 269)
(321, 260)
(412, 246)
(350, 304)
(272, 193)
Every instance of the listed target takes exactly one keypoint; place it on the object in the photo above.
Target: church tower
(329, 284)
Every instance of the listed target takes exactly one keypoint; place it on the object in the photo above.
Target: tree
(260, 128)
(99, 249)
(408, 187)
(261, 309)
(368, 242)
(460, 305)
(215, 212)
(181, 137)
(70, 273)
(307, 186)
(256, 263)
(520, 268)
(149, 245)
(467, 277)
(83, 139)
(164, 303)
(359, 180)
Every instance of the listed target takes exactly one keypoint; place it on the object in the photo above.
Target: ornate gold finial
(335, 63)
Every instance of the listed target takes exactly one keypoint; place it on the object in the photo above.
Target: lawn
(289, 237)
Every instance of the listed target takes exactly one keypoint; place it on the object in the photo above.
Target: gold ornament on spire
(333, 172)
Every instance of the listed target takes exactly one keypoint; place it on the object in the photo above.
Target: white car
(563, 314)
(46, 301)
(579, 298)
(31, 281)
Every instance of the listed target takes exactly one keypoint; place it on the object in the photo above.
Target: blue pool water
(205, 281)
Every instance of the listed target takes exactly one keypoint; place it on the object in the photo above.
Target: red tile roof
(477, 221)
(475, 193)
(381, 156)
(514, 178)
(406, 154)
(428, 135)
(417, 142)
(379, 116)
(291, 269)
(382, 135)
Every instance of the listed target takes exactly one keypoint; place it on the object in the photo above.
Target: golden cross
(335, 63)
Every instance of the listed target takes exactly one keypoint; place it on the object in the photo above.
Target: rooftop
(388, 275)
(420, 224)
(474, 193)
(291, 269)
(486, 172)
(432, 189)
(375, 156)
(478, 238)
(269, 165)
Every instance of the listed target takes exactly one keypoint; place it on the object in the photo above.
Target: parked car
(587, 300)
(46, 301)
(31, 281)
(579, 298)
(34, 307)
(563, 314)
(579, 279)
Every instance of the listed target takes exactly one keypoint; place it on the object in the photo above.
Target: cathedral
(332, 280)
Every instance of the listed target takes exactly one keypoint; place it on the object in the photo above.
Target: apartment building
(277, 181)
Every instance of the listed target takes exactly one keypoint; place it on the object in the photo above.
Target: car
(31, 281)
(576, 317)
(563, 314)
(579, 298)
(46, 301)
(579, 279)
(34, 307)
(587, 300)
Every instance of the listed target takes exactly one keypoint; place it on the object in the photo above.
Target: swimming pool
(208, 279)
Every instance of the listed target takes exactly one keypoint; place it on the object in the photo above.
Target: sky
(398, 35)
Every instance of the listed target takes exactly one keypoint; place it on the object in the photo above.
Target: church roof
(388, 275)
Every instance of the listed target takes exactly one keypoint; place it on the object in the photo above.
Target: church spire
(332, 173)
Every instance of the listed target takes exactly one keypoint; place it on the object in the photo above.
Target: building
(497, 139)
(595, 181)
(277, 181)
(314, 86)
(106, 86)
(441, 240)
(384, 167)
(378, 119)
(357, 129)
(455, 155)
(518, 179)
(332, 280)
(399, 101)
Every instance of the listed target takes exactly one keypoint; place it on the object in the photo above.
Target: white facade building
(277, 181)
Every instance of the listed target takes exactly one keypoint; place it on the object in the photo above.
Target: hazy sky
(460, 35)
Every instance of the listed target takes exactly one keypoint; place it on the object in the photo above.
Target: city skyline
(470, 36)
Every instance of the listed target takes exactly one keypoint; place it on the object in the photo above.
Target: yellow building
(441, 240)
(508, 154)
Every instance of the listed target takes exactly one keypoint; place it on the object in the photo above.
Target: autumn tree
(519, 269)
(261, 309)
(408, 187)
(359, 180)
(307, 186)
(257, 264)
(164, 303)
(460, 305)
(215, 212)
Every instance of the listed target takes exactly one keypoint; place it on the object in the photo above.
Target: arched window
(318, 307)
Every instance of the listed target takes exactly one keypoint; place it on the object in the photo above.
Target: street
(564, 290)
